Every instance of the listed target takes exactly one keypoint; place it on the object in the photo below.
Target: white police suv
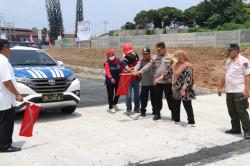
(42, 80)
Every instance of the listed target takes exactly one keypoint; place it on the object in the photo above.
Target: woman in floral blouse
(182, 80)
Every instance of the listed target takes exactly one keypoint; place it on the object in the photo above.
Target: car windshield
(30, 57)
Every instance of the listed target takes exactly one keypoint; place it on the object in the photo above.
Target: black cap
(160, 45)
(146, 50)
(4, 43)
(233, 46)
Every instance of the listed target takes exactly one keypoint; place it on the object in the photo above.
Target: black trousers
(7, 118)
(112, 98)
(167, 90)
(145, 91)
(188, 107)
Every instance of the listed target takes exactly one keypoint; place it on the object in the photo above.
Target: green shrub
(191, 30)
(232, 26)
(136, 34)
(247, 25)
(111, 33)
(220, 28)
(150, 32)
(214, 20)
(164, 31)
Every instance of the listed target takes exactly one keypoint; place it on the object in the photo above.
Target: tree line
(207, 14)
(55, 20)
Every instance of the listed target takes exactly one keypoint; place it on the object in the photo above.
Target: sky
(32, 13)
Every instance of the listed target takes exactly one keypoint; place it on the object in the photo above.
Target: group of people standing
(163, 73)
(172, 74)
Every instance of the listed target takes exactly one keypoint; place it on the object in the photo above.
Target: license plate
(52, 97)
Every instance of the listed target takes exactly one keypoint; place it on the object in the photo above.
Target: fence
(216, 39)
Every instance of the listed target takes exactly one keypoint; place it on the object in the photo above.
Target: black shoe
(232, 132)
(11, 149)
(153, 113)
(247, 135)
(143, 114)
(157, 117)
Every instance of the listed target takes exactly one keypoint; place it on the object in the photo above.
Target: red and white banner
(30, 116)
(48, 40)
(31, 38)
(124, 83)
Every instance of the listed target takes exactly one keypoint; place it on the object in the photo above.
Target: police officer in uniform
(161, 65)
(236, 81)
(147, 80)
(8, 97)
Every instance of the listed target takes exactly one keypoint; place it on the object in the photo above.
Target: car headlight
(71, 79)
(24, 80)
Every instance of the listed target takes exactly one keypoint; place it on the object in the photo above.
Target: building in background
(16, 34)
(23, 34)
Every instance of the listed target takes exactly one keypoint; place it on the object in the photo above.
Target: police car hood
(40, 72)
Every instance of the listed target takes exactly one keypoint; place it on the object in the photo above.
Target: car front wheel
(68, 110)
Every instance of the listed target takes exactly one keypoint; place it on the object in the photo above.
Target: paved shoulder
(95, 137)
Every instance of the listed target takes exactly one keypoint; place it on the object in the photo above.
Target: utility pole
(5, 29)
(13, 32)
(105, 26)
(1, 18)
(14, 29)
(8, 29)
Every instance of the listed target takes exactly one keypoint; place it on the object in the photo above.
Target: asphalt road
(206, 155)
(93, 93)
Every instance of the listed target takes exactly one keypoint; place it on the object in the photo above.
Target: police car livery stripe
(38, 74)
(57, 73)
(32, 74)
(53, 73)
(42, 73)
(61, 73)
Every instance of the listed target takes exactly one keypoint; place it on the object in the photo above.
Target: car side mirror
(60, 63)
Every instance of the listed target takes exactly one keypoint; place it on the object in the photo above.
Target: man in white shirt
(237, 81)
(8, 97)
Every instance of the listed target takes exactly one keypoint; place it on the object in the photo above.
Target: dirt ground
(208, 62)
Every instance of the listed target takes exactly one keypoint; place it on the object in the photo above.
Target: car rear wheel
(68, 110)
